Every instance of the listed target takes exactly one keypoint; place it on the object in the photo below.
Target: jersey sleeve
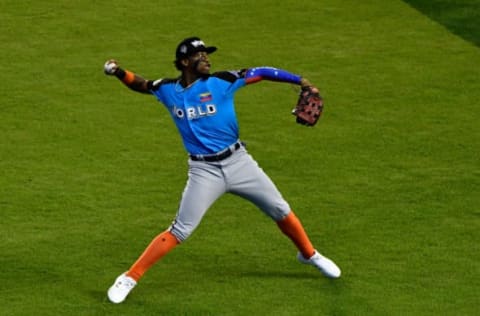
(257, 74)
(235, 78)
(155, 88)
(154, 85)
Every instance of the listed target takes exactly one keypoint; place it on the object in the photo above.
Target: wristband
(126, 76)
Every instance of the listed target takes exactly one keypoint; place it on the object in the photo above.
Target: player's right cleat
(118, 292)
(325, 265)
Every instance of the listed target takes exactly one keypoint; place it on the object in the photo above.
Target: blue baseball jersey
(203, 112)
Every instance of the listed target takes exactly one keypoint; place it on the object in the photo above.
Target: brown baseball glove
(309, 106)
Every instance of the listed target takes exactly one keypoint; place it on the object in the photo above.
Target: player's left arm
(253, 75)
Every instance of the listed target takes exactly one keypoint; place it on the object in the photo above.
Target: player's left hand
(110, 67)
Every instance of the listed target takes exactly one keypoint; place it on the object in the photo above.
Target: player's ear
(184, 62)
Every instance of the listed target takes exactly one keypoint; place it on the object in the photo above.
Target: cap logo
(183, 49)
(197, 43)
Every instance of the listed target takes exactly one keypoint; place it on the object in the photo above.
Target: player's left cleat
(325, 265)
(118, 292)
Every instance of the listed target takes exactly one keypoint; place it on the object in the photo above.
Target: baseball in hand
(110, 67)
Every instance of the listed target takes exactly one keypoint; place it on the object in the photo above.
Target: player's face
(200, 62)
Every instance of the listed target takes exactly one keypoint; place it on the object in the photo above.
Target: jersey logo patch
(206, 97)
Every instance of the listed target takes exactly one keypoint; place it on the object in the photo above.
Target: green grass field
(387, 184)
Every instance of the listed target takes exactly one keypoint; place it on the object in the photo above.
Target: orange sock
(159, 247)
(293, 228)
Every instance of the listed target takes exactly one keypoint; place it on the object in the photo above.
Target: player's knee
(180, 234)
(279, 211)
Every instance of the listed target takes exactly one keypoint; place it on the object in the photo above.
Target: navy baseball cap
(192, 45)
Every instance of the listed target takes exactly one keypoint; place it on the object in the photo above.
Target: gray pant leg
(204, 186)
(248, 180)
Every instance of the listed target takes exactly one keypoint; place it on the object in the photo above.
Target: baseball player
(202, 106)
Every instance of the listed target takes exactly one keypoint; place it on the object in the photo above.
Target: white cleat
(325, 265)
(118, 292)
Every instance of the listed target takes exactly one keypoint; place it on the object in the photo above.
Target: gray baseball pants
(238, 174)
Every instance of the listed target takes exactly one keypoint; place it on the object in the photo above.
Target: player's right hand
(110, 67)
